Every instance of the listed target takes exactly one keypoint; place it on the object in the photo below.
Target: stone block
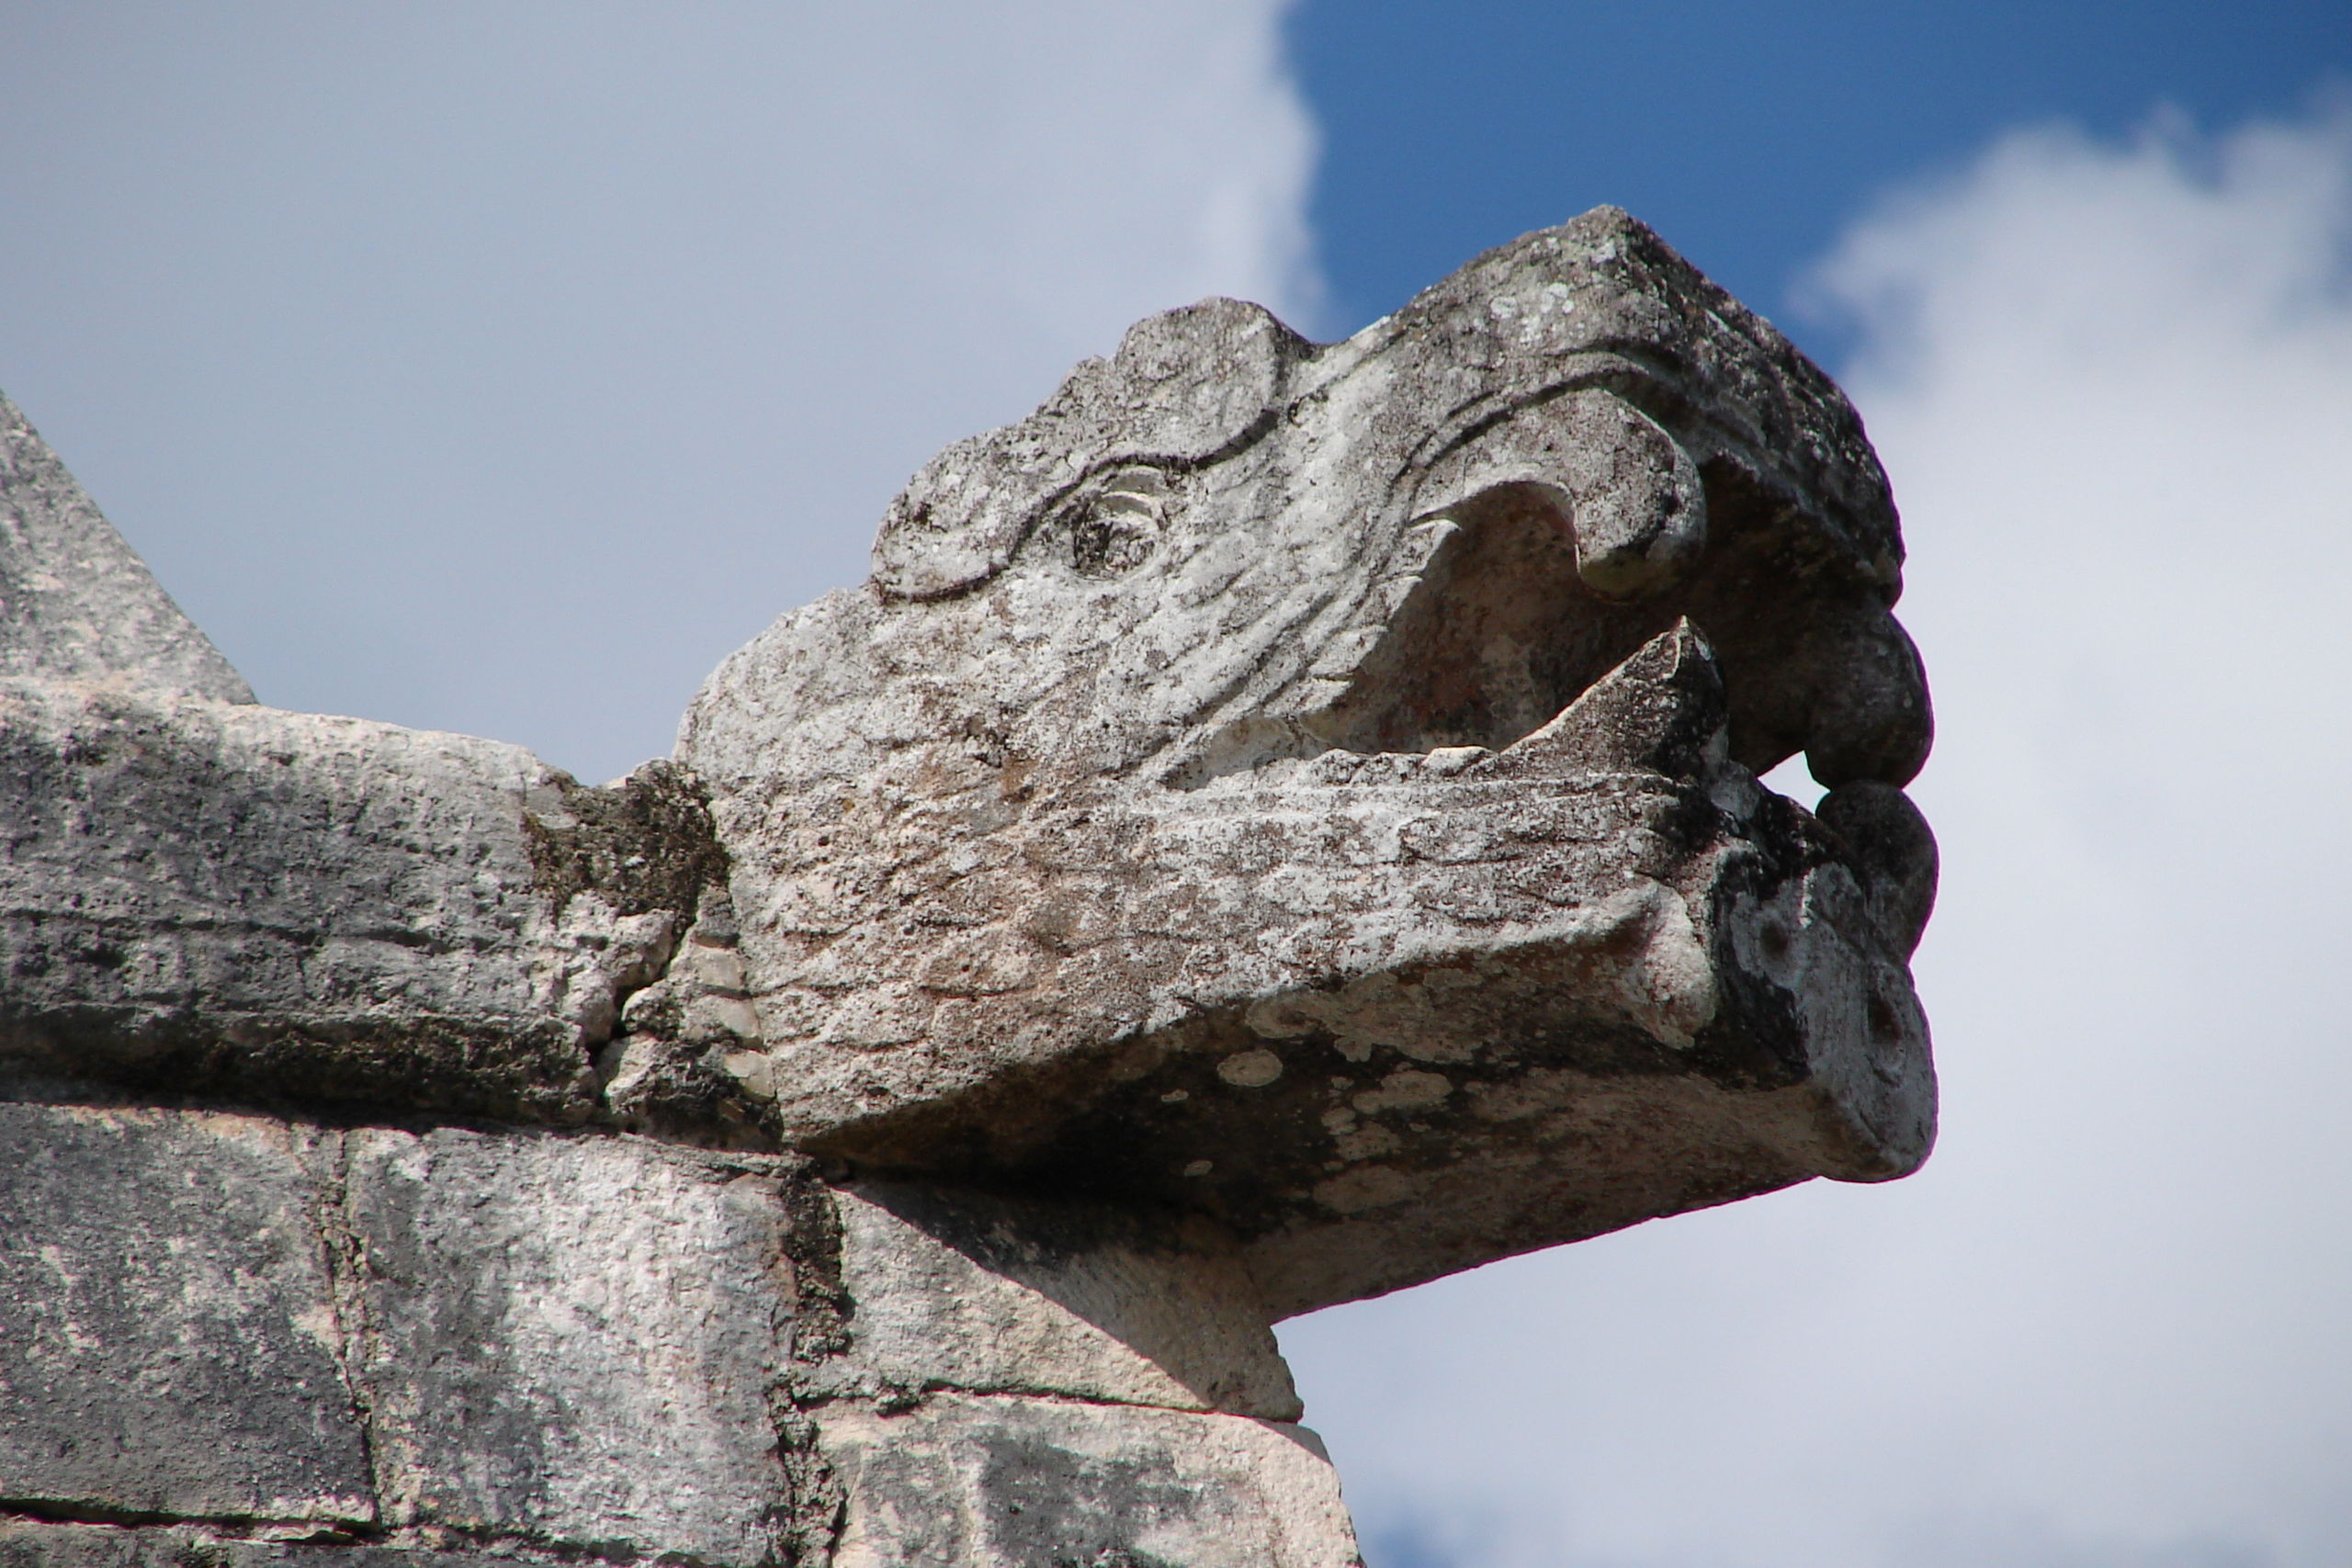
(574, 1341)
(81, 605)
(960, 1291)
(1008, 1482)
(168, 1336)
(228, 900)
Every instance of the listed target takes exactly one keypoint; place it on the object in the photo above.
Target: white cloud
(502, 368)
(2105, 1329)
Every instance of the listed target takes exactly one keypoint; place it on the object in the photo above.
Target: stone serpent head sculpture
(1317, 785)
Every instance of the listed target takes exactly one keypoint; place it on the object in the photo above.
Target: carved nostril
(1886, 1024)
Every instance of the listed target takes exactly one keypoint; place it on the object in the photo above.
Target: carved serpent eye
(1114, 526)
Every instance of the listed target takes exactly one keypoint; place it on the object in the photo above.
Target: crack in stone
(256, 1527)
(239, 1530)
(345, 1249)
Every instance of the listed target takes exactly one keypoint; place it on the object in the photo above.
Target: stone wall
(237, 1337)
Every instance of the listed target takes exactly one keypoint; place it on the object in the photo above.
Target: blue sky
(1750, 135)
(502, 368)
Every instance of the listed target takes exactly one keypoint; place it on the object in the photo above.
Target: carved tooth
(1661, 711)
(1448, 761)
(1870, 716)
(1639, 513)
(1418, 545)
(1893, 854)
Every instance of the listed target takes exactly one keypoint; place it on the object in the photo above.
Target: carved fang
(1661, 711)
(1639, 512)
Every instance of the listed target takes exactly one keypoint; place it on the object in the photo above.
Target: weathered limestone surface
(565, 1343)
(571, 1339)
(77, 603)
(222, 896)
(1010, 1483)
(979, 1294)
(170, 1344)
(1280, 823)
(29, 1544)
(540, 1339)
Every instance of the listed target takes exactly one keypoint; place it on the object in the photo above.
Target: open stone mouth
(1508, 611)
(1633, 616)
(1502, 632)
(1518, 600)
